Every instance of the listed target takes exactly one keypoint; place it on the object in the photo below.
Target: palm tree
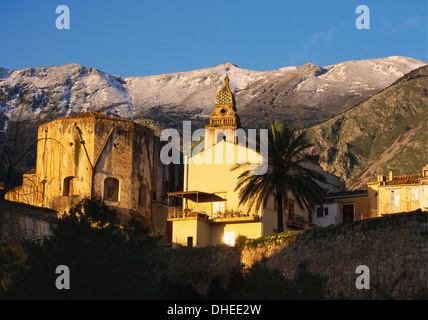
(287, 173)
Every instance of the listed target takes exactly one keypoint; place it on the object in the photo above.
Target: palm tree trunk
(279, 212)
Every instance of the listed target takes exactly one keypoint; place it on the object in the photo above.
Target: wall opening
(348, 212)
(43, 191)
(67, 188)
(220, 137)
(394, 200)
(111, 189)
(190, 242)
(142, 196)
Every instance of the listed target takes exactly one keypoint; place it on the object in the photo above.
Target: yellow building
(403, 193)
(210, 213)
(348, 206)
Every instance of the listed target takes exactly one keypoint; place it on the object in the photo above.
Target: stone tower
(95, 155)
(224, 120)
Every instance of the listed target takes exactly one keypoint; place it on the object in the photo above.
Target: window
(220, 137)
(291, 209)
(67, 189)
(394, 200)
(319, 212)
(229, 238)
(111, 189)
(142, 196)
(190, 242)
(414, 194)
(218, 208)
(348, 212)
(326, 211)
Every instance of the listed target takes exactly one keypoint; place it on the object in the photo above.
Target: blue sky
(138, 38)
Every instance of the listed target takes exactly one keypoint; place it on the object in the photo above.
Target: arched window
(67, 189)
(221, 136)
(111, 189)
(142, 196)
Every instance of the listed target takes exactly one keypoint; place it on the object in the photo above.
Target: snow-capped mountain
(305, 95)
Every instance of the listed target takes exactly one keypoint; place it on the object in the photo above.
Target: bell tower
(224, 118)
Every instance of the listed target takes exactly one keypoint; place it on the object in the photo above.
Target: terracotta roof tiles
(96, 115)
(405, 179)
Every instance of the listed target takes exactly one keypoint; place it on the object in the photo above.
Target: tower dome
(225, 96)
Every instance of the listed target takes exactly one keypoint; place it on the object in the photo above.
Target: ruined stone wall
(113, 154)
(22, 221)
(394, 248)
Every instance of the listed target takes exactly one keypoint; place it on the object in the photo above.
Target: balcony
(180, 213)
(208, 206)
(296, 221)
(231, 214)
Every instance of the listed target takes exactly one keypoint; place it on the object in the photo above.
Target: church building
(210, 213)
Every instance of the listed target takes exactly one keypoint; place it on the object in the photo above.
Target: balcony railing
(229, 213)
(296, 221)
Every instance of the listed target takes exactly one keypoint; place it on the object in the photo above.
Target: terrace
(208, 206)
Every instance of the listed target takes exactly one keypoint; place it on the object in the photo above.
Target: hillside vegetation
(386, 131)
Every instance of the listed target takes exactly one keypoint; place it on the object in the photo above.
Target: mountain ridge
(74, 88)
(386, 131)
(307, 95)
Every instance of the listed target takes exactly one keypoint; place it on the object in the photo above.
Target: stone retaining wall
(394, 248)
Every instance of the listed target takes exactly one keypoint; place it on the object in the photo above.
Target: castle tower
(224, 120)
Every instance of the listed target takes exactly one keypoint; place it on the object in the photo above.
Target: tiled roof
(96, 115)
(405, 179)
(347, 194)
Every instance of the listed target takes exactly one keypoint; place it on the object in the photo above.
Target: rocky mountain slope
(306, 95)
(387, 131)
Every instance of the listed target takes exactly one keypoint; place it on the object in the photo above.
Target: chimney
(391, 175)
(380, 178)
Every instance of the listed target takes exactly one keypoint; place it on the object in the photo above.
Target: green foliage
(106, 260)
(369, 128)
(241, 240)
(262, 283)
(91, 212)
(287, 173)
(275, 239)
(233, 213)
(12, 261)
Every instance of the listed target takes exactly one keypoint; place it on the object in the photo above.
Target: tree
(17, 141)
(12, 261)
(287, 173)
(107, 259)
